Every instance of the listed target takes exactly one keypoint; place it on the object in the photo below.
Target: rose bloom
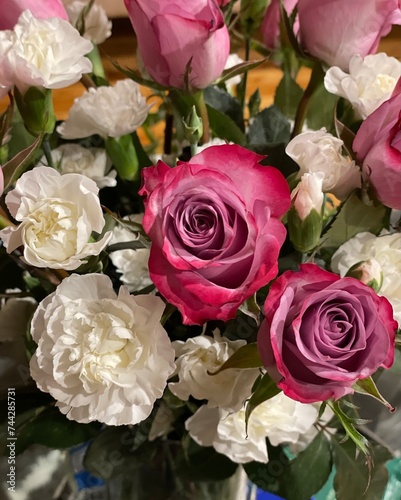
(377, 145)
(271, 22)
(334, 31)
(97, 24)
(323, 333)
(102, 356)
(215, 229)
(202, 354)
(200, 37)
(42, 9)
(386, 251)
(57, 214)
(107, 111)
(131, 263)
(46, 53)
(92, 162)
(370, 82)
(320, 151)
(281, 419)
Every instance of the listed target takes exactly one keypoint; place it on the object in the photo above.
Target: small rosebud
(305, 221)
(369, 272)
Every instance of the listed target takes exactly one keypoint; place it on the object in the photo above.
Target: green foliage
(321, 109)
(270, 126)
(224, 127)
(220, 100)
(265, 389)
(247, 356)
(367, 386)
(288, 95)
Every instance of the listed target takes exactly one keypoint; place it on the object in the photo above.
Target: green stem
(314, 82)
(201, 109)
(47, 152)
(242, 86)
(168, 134)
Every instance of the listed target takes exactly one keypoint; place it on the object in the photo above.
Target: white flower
(97, 24)
(370, 82)
(101, 356)
(321, 152)
(308, 194)
(6, 80)
(107, 111)
(132, 264)
(47, 53)
(58, 214)
(233, 60)
(92, 162)
(281, 419)
(386, 250)
(198, 355)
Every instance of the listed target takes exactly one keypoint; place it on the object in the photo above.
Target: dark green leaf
(353, 480)
(353, 218)
(247, 356)
(308, 472)
(135, 75)
(224, 127)
(239, 69)
(288, 95)
(266, 389)
(321, 109)
(219, 99)
(201, 463)
(270, 126)
(53, 429)
(254, 103)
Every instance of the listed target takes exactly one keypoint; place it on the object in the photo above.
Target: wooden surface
(121, 47)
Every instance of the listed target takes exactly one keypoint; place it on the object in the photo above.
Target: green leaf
(254, 103)
(224, 127)
(265, 389)
(238, 69)
(136, 76)
(354, 217)
(251, 308)
(15, 167)
(308, 472)
(368, 386)
(288, 95)
(219, 99)
(53, 429)
(203, 463)
(247, 356)
(270, 126)
(344, 133)
(321, 109)
(353, 479)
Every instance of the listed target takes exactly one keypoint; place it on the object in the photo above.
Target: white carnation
(308, 194)
(280, 419)
(370, 82)
(199, 355)
(92, 162)
(386, 250)
(107, 111)
(101, 356)
(321, 152)
(6, 80)
(132, 264)
(97, 24)
(57, 215)
(46, 53)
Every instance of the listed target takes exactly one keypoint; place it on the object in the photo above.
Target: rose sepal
(305, 234)
(36, 108)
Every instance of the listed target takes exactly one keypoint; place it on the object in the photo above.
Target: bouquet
(194, 285)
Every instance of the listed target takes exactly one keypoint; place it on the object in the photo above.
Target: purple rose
(323, 333)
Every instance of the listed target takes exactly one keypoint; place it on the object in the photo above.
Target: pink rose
(172, 33)
(335, 30)
(322, 333)
(378, 146)
(215, 229)
(223, 3)
(41, 9)
(271, 22)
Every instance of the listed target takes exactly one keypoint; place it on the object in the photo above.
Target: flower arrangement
(213, 301)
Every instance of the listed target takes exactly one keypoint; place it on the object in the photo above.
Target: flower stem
(314, 82)
(243, 84)
(201, 109)
(47, 151)
(168, 134)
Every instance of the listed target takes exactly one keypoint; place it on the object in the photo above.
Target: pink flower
(223, 3)
(177, 32)
(378, 145)
(322, 333)
(271, 22)
(41, 9)
(215, 229)
(335, 30)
